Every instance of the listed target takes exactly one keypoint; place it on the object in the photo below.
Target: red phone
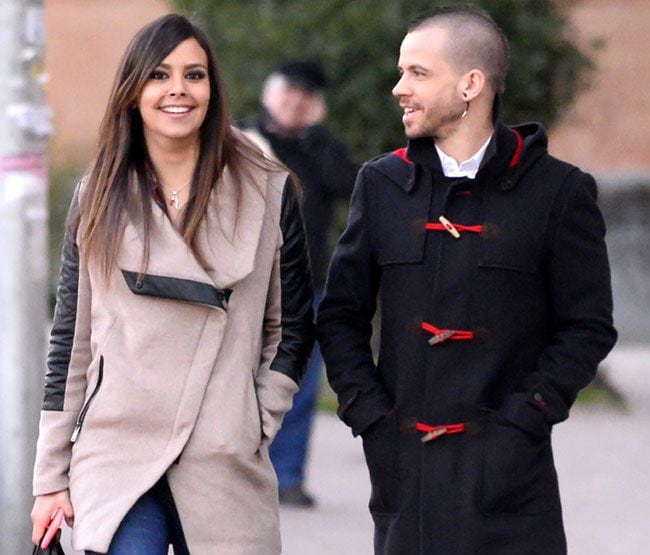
(52, 528)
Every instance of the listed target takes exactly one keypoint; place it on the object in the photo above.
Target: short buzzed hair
(476, 41)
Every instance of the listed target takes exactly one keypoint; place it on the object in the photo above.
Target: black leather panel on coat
(297, 314)
(63, 326)
(177, 289)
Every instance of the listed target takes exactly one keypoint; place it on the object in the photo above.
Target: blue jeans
(150, 526)
(289, 448)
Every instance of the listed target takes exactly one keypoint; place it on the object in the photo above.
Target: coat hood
(510, 154)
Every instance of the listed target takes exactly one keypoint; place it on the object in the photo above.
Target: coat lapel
(230, 234)
(227, 240)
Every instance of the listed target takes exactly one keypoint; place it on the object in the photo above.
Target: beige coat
(185, 389)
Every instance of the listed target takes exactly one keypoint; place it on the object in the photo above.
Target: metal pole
(25, 124)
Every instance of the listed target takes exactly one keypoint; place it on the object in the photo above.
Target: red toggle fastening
(431, 226)
(434, 432)
(440, 335)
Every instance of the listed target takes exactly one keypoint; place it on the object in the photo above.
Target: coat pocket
(401, 244)
(518, 474)
(381, 450)
(506, 249)
(84, 409)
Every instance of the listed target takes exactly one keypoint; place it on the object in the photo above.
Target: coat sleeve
(288, 328)
(581, 299)
(344, 324)
(67, 361)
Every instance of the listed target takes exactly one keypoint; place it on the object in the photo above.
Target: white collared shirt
(468, 168)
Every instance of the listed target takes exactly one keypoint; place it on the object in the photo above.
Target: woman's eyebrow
(187, 66)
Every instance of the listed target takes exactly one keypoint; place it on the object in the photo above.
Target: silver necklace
(173, 201)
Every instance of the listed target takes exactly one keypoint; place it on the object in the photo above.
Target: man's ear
(472, 84)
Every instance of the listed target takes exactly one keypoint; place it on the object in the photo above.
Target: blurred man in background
(290, 128)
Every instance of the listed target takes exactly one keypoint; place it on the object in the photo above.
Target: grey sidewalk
(602, 456)
(603, 460)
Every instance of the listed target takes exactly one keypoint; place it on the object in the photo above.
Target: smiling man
(488, 258)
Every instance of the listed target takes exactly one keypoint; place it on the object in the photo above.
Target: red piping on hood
(514, 161)
(401, 153)
(516, 157)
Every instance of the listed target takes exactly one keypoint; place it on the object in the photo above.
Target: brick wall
(86, 40)
(608, 126)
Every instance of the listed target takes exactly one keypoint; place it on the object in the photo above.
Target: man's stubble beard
(442, 128)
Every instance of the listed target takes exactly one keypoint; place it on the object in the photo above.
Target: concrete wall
(625, 202)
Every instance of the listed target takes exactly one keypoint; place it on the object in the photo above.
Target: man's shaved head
(475, 41)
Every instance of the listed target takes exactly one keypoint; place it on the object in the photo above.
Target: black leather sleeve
(65, 315)
(297, 315)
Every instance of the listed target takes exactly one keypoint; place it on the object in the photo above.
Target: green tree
(358, 42)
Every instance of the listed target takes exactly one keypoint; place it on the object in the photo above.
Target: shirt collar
(468, 168)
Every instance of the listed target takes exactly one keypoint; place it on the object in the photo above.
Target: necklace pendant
(173, 201)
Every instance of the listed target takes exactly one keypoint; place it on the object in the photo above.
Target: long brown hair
(122, 149)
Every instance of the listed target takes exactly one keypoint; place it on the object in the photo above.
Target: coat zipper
(259, 407)
(84, 409)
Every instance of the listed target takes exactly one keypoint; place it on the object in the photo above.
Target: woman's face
(174, 101)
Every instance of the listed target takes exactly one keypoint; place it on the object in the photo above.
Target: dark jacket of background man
(326, 174)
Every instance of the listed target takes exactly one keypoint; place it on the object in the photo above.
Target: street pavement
(603, 460)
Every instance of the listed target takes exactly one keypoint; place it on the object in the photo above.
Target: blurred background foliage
(358, 44)
(62, 183)
(357, 41)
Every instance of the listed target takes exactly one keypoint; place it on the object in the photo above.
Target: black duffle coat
(493, 319)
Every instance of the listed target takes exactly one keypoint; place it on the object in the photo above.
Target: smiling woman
(183, 321)
(173, 104)
(174, 101)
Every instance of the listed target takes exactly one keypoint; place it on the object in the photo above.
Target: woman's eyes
(194, 75)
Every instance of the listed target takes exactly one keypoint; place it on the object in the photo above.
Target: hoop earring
(466, 109)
